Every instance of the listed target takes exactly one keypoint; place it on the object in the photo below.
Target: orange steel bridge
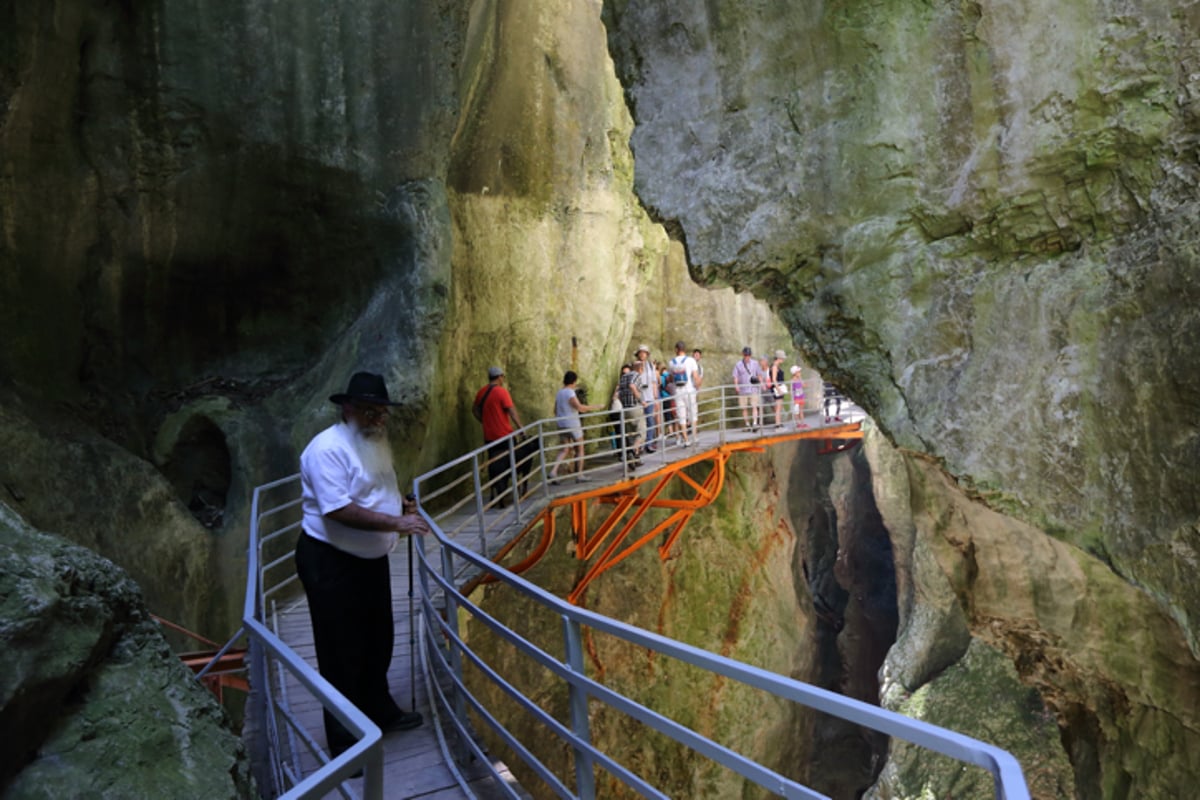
(631, 500)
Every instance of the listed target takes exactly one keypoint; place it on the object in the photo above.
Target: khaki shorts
(635, 422)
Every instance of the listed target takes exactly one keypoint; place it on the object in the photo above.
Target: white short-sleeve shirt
(690, 369)
(332, 476)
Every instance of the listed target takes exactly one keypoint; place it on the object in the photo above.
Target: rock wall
(975, 219)
(90, 695)
(208, 226)
(214, 215)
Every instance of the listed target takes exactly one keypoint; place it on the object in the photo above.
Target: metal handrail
(443, 495)
(1008, 779)
(270, 658)
(445, 649)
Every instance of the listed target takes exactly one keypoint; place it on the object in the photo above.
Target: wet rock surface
(90, 694)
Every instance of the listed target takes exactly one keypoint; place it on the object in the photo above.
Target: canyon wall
(977, 218)
(214, 213)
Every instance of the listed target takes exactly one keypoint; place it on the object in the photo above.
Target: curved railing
(278, 740)
(465, 505)
(454, 501)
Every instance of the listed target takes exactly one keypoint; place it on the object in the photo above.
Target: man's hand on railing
(355, 516)
(412, 525)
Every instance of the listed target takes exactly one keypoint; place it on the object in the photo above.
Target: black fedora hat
(365, 387)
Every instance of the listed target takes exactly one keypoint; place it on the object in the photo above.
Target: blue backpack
(679, 370)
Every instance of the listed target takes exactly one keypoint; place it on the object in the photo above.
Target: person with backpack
(630, 397)
(647, 382)
(666, 401)
(494, 408)
(685, 374)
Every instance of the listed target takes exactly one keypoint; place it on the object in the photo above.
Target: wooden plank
(413, 762)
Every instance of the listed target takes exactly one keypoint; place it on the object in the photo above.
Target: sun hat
(642, 347)
(494, 372)
(780, 355)
(364, 387)
(795, 369)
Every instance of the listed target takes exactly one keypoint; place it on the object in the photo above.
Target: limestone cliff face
(977, 219)
(213, 216)
(974, 217)
(555, 264)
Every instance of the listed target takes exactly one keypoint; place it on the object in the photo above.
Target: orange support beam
(226, 673)
(626, 496)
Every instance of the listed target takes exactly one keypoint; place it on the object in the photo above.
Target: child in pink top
(798, 399)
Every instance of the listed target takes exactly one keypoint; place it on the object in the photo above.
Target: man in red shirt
(494, 408)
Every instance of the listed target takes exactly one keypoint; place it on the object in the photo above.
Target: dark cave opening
(199, 469)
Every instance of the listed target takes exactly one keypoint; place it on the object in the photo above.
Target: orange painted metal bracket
(226, 673)
(629, 507)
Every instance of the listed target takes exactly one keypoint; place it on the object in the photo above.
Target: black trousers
(498, 463)
(350, 603)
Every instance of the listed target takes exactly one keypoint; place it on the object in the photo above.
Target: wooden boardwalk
(414, 766)
(413, 763)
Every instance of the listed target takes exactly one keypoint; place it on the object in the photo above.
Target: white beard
(375, 453)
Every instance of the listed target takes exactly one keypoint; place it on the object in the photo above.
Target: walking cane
(412, 636)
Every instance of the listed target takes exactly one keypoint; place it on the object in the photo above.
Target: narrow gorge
(976, 218)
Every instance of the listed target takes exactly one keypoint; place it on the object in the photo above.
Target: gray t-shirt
(568, 417)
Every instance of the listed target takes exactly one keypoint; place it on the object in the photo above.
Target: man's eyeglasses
(372, 413)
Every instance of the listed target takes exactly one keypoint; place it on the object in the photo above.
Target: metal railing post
(542, 468)
(512, 471)
(460, 706)
(622, 443)
(477, 479)
(585, 775)
(721, 418)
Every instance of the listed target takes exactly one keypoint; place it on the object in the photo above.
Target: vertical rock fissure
(846, 571)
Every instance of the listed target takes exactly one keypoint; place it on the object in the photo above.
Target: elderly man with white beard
(353, 513)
